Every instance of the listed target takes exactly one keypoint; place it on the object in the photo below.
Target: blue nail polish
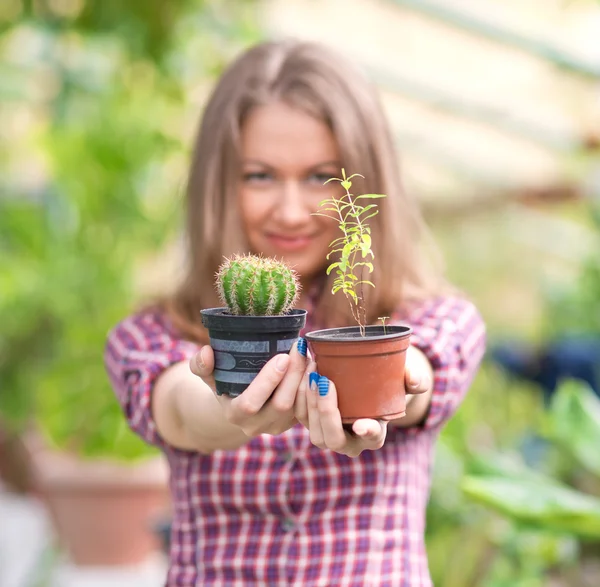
(323, 386)
(302, 346)
(313, 380)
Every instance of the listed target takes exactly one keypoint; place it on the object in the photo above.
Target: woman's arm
(188, 415)
(449, 335)
(165, 387)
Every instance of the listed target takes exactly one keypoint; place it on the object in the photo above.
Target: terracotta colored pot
(368, 371)
(15, 462)
(103, 512)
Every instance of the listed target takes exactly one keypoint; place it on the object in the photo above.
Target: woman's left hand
(317, 409)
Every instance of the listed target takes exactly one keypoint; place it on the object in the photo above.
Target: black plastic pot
(243, 344)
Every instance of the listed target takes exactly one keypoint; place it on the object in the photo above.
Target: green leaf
(347, 250)
(367, 208)
(508, 466)
(333, 251)
(367, 240)
(366, 251)
(574, 423)
(368, 265)
(331, 267)
(370, 196)
(374, 213)
(532, 502)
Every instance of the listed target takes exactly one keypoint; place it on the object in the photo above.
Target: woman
(267, 492)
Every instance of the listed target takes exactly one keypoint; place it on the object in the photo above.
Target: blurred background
(496, 110)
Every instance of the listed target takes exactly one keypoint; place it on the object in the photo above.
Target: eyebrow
(336, 164)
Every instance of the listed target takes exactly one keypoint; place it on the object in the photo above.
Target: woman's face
(287, 155)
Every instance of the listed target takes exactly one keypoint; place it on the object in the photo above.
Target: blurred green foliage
(503, 421)
(543, 513)
(574, 306)
(538, 503)
(94, 114)
(93, 147)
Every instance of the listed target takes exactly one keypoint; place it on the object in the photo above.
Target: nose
(291, 209)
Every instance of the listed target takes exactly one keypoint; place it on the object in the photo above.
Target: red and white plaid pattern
(280, 511)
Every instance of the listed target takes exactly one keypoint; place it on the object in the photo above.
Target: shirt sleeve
(451, 334)
(138, 350)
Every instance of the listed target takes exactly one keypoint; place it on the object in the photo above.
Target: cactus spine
(250, 285)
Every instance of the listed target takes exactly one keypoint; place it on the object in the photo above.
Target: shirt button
(287, 456)
(288, 525)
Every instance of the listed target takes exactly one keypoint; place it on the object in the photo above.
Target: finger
(260, 390)
(314, 421)
(366, 428)
(415, 381)
(372, 433)
(202, 364)
(284, 397)
(300, 405)
(334, 435)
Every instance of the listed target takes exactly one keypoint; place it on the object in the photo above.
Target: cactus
(250, 285)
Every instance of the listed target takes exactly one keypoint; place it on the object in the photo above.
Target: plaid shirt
(280, 511)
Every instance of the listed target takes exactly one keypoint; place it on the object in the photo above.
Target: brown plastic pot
(368, 371)
(103, 511)
(15, 462)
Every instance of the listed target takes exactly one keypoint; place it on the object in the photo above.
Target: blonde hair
(316, 80)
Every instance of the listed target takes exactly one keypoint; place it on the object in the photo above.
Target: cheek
(328, 232)
(252, 209)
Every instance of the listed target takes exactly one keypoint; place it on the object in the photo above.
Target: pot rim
(223, 312)
(325, 334)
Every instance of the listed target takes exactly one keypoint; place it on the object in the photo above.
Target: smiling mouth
(290, 243)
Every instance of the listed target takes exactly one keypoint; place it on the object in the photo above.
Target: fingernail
(281, 362)
(302, 346)
(323, 386)
(199, 361)
(313, 381)
(414, 382)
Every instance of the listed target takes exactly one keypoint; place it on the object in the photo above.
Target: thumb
(203, 362)
(416, 380)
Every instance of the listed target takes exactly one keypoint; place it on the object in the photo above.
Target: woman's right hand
(267, 404)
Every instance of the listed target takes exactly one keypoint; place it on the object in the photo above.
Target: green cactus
(250, 285)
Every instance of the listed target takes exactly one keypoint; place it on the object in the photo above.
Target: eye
(257, 177)
(319, 178)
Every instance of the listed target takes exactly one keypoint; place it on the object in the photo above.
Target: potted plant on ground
(103, 487)
(366, 362)
(257, 322)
